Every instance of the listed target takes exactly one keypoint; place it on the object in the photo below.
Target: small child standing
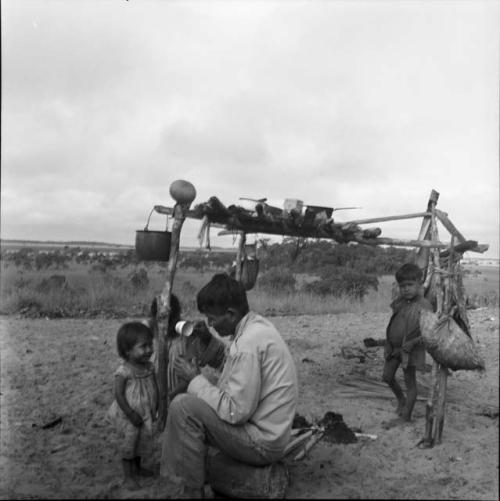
(136, 399)
(404, 345)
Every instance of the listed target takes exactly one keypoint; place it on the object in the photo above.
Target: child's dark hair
(221, 293)
(409, 271)
(175, 313)
(127, 335)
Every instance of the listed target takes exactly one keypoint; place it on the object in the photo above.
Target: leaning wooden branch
(401, 242)
(443, 218)
(390, 218)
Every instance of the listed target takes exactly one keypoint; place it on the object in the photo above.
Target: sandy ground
(54, 369)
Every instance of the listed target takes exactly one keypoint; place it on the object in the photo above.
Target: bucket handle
(149, 217)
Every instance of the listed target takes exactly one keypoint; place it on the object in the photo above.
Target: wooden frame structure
(438, 260)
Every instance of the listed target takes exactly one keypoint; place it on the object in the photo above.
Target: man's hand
(408, 346)
(396, 352)
(186, 370)
(387, 351)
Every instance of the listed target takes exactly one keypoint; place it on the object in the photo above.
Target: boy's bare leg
(129, 481)
(139, 470)
(390, 368)
(411, 392)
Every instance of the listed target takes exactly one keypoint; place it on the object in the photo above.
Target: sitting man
(248, 415)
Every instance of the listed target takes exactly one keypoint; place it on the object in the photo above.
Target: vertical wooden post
(429, 231)
(443, 371)
(240, 254)
(437, 383)
(435, 410)
(163, 300)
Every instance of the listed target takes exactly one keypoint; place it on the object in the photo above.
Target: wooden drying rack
(439, 260)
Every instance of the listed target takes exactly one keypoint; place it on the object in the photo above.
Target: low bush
(89, 290)
(342, 281)
(277, 279)
(139, 278)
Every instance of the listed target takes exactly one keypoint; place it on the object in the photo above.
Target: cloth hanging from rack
(204, 233)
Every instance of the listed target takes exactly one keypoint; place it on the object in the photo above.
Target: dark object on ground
(349, 352)
(370, 342)
(300, 422)
(488, 411)
(52, 423)
(239, 480)
(336, 431)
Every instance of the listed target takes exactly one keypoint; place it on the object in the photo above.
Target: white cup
(184, 328)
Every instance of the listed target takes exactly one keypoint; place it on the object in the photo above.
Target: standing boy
(404, 345)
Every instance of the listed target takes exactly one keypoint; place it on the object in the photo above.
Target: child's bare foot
(399, 421)
(131, 484)
(401, 407)
(405, 415)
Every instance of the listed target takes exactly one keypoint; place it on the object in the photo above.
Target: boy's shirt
(404, 326)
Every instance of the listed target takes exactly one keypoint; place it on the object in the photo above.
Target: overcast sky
(336, 103)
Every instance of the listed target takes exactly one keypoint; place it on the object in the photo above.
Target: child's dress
(141, 394)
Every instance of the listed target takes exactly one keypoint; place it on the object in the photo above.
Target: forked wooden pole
(443, 371)
(163, 300)
(240, 254)
(437, 369)
(424, 263)
(435, 409)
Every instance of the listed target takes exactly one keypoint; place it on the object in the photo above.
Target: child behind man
(404, 345)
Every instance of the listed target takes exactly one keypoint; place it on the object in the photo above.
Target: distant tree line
(335, 269)
(30, 258)
(311, 256)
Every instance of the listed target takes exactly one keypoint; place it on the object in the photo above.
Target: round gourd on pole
(183, 192)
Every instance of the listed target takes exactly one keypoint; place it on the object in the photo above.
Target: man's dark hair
(409, 271)
(128, 335)
(221, 293)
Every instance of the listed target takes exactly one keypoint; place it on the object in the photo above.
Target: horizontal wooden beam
(252, 226)
(401, 243)
(460, 248)
(387, 218)
(161, 209)
(169, 211)
(223, 233)
(480, 248)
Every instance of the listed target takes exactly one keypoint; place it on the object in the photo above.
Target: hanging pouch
(448, 344)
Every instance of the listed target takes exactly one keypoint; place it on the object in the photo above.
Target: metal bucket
(152, 245)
